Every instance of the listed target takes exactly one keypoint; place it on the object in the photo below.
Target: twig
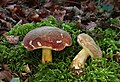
(11, 19)
(19, 22)
(74, 9)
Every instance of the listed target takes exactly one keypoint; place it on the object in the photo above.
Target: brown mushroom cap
(89, 45)
(47, 37)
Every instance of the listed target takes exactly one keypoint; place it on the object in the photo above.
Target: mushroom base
(46, 55)
(78, 62)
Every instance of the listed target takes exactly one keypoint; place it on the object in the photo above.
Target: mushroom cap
(89, 45)
(47, 37)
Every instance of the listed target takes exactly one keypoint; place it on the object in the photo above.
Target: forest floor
(98, 18)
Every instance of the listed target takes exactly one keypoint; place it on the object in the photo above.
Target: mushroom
(48, 38)
(90, 48)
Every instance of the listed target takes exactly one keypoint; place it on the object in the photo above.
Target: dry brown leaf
(4, 2)
(88, 6)
(59, 14)
(48, 5)
(26, 71)
(32, 3)
(5, 26)
(74, 9)
(34, 17)
(91, 25)
(12, 39)
(117, 56)
(5, 73)
(2, 15)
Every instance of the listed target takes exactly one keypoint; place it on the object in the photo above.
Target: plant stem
(79, 60)
(46, 55)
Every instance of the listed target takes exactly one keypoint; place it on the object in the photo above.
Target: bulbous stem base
(78, 62)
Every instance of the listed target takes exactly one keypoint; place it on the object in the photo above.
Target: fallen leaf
(34, 17)
(117, 56)
(91, 25)
(2, 2)
(59, 14)
(74, 9)
(7, 24)
(5, 73)
(48, 5)
(32, 3)
(2, 15)
(26, 71)
(11, 39)
(88, 6)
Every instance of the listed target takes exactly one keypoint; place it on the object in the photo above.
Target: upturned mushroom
(48, 38)
(90, 48)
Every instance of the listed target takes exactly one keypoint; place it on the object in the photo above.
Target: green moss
(104, 70)
(114, 21)
(108, 40)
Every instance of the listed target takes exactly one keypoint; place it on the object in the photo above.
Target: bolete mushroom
(90, 48)
(48, 38)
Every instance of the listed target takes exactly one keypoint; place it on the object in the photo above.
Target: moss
(104, 70)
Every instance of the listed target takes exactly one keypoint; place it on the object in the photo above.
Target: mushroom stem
(79, 61)
(46, 55)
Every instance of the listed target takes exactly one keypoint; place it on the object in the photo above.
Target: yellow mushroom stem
(79, 60)
(46, 55)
